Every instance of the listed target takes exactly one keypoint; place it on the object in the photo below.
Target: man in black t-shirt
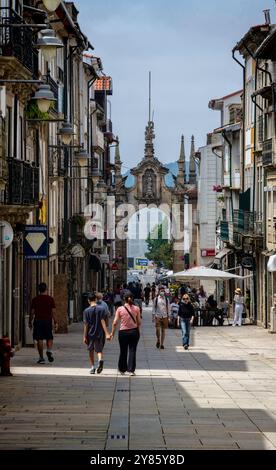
(186, 315)
(147, 291)
(41, 321)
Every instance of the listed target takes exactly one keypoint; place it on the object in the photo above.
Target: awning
(271, 264)
(201, 272)
(94, 263)
(77, 251)
(221, 254)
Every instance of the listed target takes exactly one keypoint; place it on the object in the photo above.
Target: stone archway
(150, 189)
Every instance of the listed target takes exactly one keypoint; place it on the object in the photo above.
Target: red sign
(114, 267)
(208, 252)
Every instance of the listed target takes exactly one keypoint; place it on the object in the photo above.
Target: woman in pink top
(129, 334)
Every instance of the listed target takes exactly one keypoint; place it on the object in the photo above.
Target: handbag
(133, 319)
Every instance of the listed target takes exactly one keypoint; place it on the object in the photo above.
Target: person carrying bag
(130, 320)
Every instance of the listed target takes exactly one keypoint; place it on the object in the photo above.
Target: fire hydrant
(6, 352)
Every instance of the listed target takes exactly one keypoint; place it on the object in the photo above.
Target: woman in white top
(239, 307)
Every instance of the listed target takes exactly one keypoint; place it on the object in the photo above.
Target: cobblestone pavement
(218, 395)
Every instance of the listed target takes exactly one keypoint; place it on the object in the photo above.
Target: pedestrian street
(220, 394)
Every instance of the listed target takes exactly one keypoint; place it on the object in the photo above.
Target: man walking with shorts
(160, 314)
(43, 312)
(95, 331)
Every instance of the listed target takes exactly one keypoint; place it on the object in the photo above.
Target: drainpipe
(243, 121)
(66, 154)
(230, 165)
(254, 169)
(90, 137)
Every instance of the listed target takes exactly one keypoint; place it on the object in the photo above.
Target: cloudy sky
(187, 46)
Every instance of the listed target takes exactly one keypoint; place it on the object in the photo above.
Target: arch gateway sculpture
(149, 190)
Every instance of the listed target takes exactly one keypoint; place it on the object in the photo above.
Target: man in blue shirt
(95, 332)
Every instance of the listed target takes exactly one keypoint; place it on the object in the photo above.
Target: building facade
(53, 165)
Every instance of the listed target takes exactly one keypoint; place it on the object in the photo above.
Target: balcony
(226, 180)
(56, 168)
(55, 90)
(3, 169)
(23, 184)
(3, 178)
(98, 140)
(224, 230)
(236, 180)
(267, 152)
(243, 221)
(17, 42)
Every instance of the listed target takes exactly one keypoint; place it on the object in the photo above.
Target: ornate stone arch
(150, 188)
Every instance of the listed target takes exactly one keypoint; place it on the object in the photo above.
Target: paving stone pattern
(221, 394)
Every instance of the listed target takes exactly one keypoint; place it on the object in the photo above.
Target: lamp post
(66, 133)
(51, 5)
(48, 43)
(44, 97)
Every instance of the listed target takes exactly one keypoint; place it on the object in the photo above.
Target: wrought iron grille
(267, 152)
(17, 42)
(23, 183)
(56, 162)
(54, 88)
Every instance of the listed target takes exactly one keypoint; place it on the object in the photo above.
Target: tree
(160, 248)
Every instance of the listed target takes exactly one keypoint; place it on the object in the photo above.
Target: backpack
(167, 303)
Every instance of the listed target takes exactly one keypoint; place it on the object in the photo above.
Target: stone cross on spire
(192, 169)
(149, 137)
(118, 163)
(181, 177)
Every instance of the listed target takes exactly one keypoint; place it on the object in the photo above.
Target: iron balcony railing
(16, 41)
(56, 162)
(267, 152)
(224, 230)
(23, 183)
(54, 88)
(245, 223)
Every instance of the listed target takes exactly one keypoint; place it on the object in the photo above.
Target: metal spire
(149, 96)
(192, 170)
(149, 132)
(181, 177)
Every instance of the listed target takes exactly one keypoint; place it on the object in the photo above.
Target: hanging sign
(36, 242)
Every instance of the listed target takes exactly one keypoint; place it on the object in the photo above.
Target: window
(9, 131)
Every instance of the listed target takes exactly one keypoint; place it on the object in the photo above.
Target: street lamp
(48, 44)
(51, 5)
(66, 133)
(44, 97)
(82, 156)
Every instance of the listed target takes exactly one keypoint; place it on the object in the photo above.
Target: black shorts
(42, 330)
(96, 344)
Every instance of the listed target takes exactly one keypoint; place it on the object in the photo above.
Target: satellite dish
(7, 234)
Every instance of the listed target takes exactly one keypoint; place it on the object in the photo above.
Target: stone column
(61, 301)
